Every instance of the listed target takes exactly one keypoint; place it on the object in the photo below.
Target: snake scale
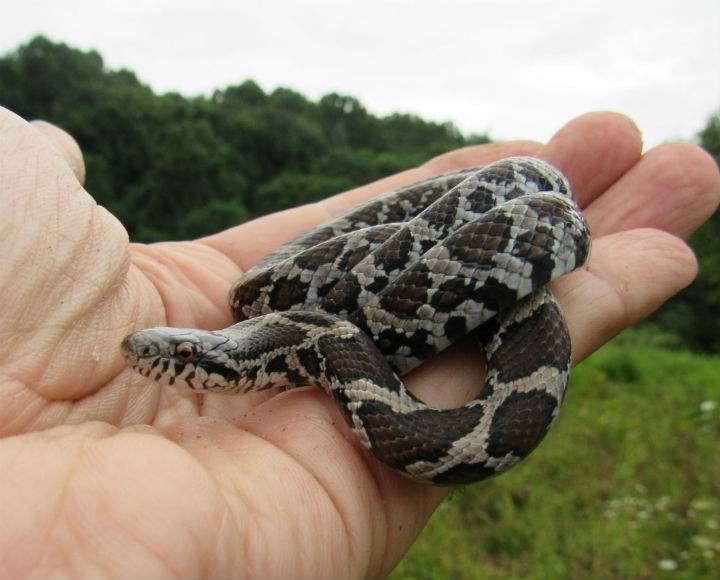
(356, 302)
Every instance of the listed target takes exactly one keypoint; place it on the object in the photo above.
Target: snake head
(177, 356)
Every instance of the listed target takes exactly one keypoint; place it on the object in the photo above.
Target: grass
(626, 485)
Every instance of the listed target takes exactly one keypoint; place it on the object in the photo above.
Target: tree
(171, 167)
(694, 313)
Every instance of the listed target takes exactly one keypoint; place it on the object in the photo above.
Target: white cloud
(517, 68)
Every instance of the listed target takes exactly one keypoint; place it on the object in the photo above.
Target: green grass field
(626, 485)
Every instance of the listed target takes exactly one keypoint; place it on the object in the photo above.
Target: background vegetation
(172, 167)
(627, 484)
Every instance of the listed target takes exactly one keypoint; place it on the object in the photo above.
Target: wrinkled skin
(106, 474)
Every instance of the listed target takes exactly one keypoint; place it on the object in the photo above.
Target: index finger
(593, 151)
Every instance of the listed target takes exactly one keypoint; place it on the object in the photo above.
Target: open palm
(106, 474)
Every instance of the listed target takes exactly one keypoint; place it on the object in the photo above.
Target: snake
(359, 301)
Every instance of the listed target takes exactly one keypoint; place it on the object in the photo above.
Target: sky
(510, 68)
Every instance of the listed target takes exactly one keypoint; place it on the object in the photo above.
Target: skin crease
(105, 474)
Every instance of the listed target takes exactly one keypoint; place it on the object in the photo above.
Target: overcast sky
(513, 68)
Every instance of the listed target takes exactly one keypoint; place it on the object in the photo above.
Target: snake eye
(185, 352)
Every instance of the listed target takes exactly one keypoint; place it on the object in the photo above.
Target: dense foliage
(172, 167)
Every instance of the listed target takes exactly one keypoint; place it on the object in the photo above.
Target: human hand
(111, 475)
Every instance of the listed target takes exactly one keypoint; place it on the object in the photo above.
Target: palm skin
(106, 474)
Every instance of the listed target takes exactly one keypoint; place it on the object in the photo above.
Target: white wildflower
(702, 542)
(667, 564)
(708, 406)
(702, 504)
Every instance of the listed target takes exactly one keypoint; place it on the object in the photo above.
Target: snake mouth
(139, 352)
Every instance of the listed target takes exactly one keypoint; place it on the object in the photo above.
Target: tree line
(174, 167)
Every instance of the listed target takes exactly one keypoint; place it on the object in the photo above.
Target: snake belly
(362, 299)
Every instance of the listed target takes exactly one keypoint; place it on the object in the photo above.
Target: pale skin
(106, 474)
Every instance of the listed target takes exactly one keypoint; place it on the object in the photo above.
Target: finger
(630, 274)
(65, 145)
(472, 156)
(593, 151)
(247, 244)
(674, 187)
(68, 259)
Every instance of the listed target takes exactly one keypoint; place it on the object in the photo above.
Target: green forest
(173, 167)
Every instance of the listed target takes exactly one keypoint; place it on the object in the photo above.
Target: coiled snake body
(371, 294)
